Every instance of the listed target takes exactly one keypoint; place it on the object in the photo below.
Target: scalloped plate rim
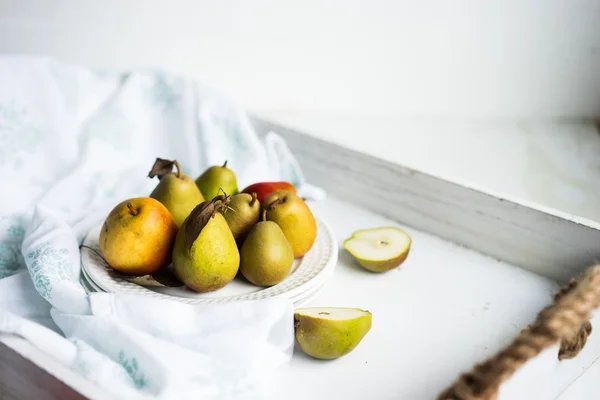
(325, 240)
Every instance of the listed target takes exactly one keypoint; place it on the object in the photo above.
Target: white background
(455, 88)
(461, 58)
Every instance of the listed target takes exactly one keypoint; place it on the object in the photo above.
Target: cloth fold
(73, 143)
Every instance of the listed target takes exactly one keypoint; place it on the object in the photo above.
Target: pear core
(379, 249)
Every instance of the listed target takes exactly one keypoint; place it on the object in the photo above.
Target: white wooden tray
(482, 267)
(480, 270)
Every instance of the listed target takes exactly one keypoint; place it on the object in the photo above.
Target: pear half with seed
(328, 333)
(379, 249)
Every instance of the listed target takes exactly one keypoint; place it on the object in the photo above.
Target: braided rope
(565, 321)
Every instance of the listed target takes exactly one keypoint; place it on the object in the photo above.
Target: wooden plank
(22, 379)
(543, 242)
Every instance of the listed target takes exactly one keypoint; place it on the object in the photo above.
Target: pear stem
(132, 209)
(274, 203)
(264, 214)
(221, 197)
(220, 207)
(254, 198)
(224, 165)
(178, 168)
(221, 190)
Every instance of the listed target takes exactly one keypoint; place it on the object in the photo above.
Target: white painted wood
(448, 307)
(444, 310)
(461, 58)
(546, 377)
(546, 162)
(542, 241)
(586, 387)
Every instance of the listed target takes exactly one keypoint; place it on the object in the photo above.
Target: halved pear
(379, 249)
(327, 333)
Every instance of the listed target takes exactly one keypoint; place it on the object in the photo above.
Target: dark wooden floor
(20, 379)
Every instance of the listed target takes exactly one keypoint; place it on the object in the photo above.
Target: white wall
(323, 66)
(502, 58)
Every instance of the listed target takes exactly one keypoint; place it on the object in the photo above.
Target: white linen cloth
(73, 143)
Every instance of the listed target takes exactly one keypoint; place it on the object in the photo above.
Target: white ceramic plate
(308, 275)
(299, 300)
(86, 285)
(89, 282)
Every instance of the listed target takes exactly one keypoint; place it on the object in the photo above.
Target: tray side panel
(543, 243)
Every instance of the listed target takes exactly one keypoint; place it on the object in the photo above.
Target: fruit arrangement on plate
(203, 233)
(207, 230)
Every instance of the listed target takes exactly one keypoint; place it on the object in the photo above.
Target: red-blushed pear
(137, 236)
(265, 189)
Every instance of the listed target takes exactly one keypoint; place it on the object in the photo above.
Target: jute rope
(566, 321)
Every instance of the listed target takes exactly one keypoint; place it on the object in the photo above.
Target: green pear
(205, 256)
(216, 179)
(241, 215)
(176, 191)
(379, 249)
(327, 333)
(266, 257)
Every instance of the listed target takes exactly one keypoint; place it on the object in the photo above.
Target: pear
(137, 237)
(178, 192)
(266, 257)
(328, 333)
(265, 189)
(205, 255)
(379, 249)
(242, 214)
(216, 179)
(294, 218)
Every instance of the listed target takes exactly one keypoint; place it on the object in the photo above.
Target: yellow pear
(177, 191)
(294, 218)
(205, 256)
(379, 249)
(328, 333)
(137, 236)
